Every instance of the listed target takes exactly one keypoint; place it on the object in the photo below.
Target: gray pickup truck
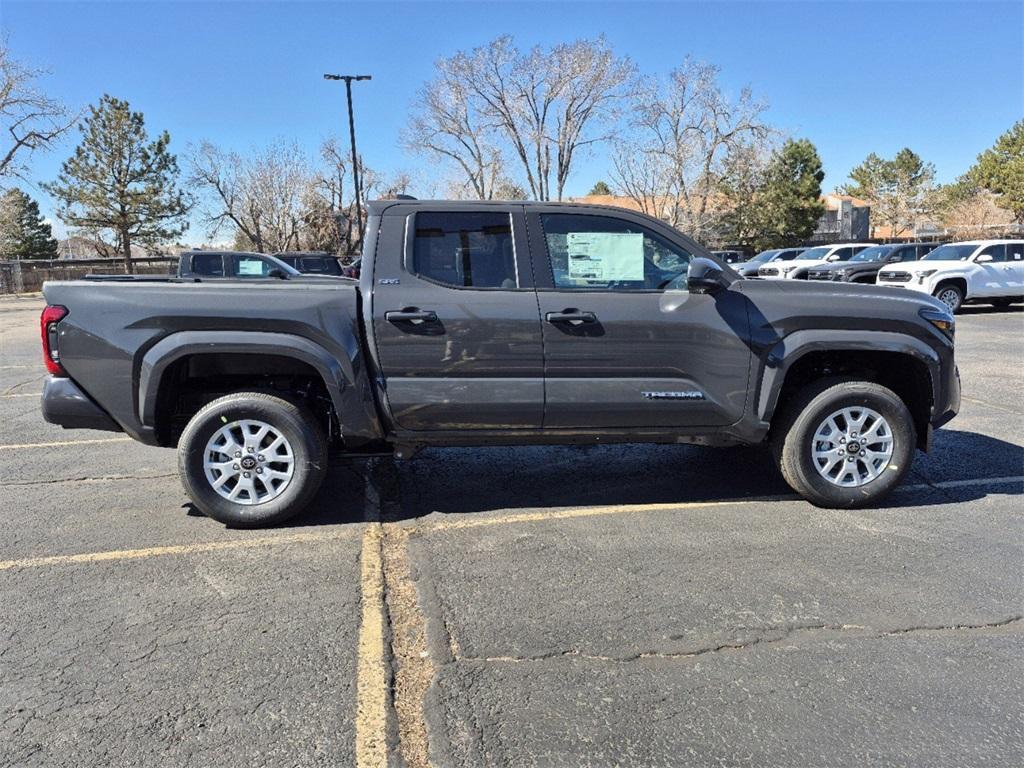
(477, 324)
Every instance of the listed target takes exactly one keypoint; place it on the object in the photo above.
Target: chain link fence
(29, 276)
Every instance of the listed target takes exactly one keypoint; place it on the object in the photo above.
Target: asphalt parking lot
(538, 606)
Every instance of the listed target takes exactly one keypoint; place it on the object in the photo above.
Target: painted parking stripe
(991, 405)
(59, 443)
(371, 672)
(178, 549)
(20, 394)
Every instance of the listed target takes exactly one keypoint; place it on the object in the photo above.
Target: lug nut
(246, 474)
(849, 458)
(260, 457)
(853, 434)
(234, 466)
(862, 453)
(250, 449)
(259, 470)
(238, 454)
(842, 439)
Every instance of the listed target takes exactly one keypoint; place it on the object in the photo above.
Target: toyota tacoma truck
(479, 324)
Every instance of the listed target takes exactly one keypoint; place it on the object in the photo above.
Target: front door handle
(411, 315)
(571, 316)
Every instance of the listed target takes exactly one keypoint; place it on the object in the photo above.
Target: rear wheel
(844, 443)
(951, 295)
(252, 459)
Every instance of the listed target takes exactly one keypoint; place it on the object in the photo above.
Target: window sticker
(606, 256)
(250, 267)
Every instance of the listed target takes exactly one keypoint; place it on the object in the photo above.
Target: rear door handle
(572, 316)
(411, 315)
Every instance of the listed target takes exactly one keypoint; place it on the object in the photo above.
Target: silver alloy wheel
(950, 297)
(852, 446)
(248, 462)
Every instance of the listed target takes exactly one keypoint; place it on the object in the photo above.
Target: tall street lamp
(352, 135)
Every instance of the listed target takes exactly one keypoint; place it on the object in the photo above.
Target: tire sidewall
(307, 447)
(819, 490)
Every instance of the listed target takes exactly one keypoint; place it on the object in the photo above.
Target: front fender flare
(781, 357)
(349, 391)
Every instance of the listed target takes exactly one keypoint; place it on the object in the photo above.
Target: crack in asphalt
(99, 479)
(768, 637)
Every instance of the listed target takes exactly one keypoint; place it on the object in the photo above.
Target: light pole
(352, 135)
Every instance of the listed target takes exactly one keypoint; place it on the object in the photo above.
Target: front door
(625, 344)
(455, 320)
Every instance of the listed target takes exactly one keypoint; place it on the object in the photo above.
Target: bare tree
(31, 120)
(446, 123)
(261, 196)
(544, 106)
(672, 161)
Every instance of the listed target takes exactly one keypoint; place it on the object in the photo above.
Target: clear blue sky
(942, 78)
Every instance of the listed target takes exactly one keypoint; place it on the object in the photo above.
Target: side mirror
(705, 277)
(985, 258)
(278, 273)
(833, 257)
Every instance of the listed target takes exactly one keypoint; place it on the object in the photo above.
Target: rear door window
(465, 249)
(1015, 252)
(208, 264)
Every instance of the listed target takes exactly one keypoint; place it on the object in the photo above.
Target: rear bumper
(66, 405)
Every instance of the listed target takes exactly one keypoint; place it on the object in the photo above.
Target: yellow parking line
(178, 549)
(371, 673)
(615, 509)
(991, 405)
(64, 442)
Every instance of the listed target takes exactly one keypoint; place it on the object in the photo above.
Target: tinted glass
(465, 249)
(842, 254)
(320, 265)
(764, 256)
(590, 253)
(874, 253)
(1015, 252)
(997, 252)
(814, 254)
(211, 264)
(252, 266)
(951, 252)
(789, 255)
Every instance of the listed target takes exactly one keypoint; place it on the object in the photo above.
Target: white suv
(977, 271)
(812, 257)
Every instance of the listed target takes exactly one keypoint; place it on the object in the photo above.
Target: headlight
(788, 268)
(925, 273)
(941, 318)
(843, 274)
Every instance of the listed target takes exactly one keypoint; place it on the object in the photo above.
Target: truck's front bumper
(66, 405)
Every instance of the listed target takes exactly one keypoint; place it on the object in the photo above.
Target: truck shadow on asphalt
(458, 481)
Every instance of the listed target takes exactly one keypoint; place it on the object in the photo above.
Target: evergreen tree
(24, 233)
(900, 190)
(120, 182)
(600, 188)
(1000, 170)
(789, 205)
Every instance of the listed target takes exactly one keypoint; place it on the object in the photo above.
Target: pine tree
(789, 204)
(1000, 170)
(121, 183)
(600, 188)
(24, 233)
(900, 190)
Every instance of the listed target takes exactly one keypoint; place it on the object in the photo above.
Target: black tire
(308, 449)
(950, 294)
(795, 428)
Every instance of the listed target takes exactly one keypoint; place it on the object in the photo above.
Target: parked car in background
(749, 268)
(730, 257)
(818, 256)
(863, 267)
(352, 270)
(232, 264)
(973, 272)
(312, 262)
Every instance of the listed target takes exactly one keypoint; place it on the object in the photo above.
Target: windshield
(875, 253)
(764, 256)
(951, 252)
(814, 254)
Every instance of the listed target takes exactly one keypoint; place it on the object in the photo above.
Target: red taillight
(52, 315)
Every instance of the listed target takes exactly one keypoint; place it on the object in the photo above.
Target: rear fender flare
(353, 406)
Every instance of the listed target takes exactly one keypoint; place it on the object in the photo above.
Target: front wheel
(951, 295)
(252, 459)
(845, 443)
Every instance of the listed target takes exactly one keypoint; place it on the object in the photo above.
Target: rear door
(455, 318)
(1015, 267)
(625, 344)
